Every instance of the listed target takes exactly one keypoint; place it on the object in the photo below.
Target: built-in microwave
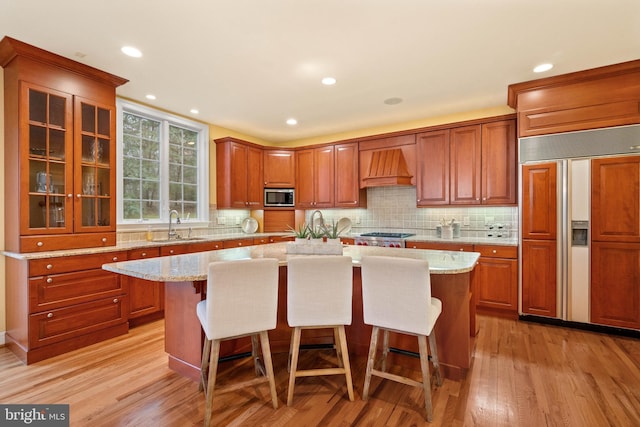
(279, 197)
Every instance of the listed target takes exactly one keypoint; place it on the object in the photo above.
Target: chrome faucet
(172, 232)
(321, 225)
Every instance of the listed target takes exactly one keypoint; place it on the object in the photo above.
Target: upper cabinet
(315, 177)
(279, 168)
(589, 99)
(239, 169)
(347, 189)
(467, 165)
(60, 151)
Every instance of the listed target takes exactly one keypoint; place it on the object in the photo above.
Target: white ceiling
(248, 65)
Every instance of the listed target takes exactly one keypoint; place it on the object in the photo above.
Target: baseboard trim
(611, 330)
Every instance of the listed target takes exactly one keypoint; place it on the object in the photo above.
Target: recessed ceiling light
(194, 111)
(292, 122)
(542, 68)
(151, 97)
(131, 51)
(393, 101)
(328, 81)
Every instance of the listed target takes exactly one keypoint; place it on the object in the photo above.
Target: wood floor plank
(522, 374)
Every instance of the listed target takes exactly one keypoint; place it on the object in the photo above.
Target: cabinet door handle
(79, 196)
(115, 300)
(49, 280)
(70, 195)
(49, 315)
(49, 266)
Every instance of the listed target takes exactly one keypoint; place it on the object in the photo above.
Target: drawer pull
(39, 244)
(115, 300)
(49, 266)
(49, 280)
(461, 249)
(115, 258)
(494, 251)
(240, 244)
(49, 315)
(104, 240)
(171, 251)
(144, 254)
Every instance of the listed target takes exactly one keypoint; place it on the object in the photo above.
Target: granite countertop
(138, 244)
(194, 267)
(502, 241)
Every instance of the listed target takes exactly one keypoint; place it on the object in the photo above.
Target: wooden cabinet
(497, 279)
(590, 99)
(239, 174)
(315, 178)
(145, 297)
(432, 182)
(615, 279)
(467, 165)
(347, 182)
(58, 304)
(539, 262)
(615, 200)
(539, 239)
(615, 241)
(237, 243)
(279, 168)
(60, 153)
(441, 246)
(499, 160)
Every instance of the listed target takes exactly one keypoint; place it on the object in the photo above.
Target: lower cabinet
(497, 279)
(146, 298)
(59, 304)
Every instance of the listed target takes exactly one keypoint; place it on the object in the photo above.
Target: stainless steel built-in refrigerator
(556, 218)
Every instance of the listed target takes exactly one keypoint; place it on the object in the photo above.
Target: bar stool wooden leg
(213, 371)
(370, 361)
(385, 350)
(268, 364)
(426, 384)
(295, 348)
(204, 369)
(343, 356)
(255, 354)
(337, 346)
(434, 358)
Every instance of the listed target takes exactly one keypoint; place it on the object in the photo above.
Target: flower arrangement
(302, 232)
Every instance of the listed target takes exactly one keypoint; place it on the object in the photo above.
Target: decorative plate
(249, 225)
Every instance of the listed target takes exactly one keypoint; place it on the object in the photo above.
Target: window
(163, 165)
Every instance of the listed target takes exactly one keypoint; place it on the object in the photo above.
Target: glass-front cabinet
(59, 151)
(50, 149)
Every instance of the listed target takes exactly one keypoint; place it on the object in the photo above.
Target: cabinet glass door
(49, 151)
(95, 177)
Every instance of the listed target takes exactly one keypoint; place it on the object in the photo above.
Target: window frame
(166, 119)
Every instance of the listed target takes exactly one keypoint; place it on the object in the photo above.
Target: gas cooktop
(388, 235)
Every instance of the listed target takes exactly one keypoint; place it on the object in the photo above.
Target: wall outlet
(221, 220)
(488, 220)
(465, 221)
(237, 220)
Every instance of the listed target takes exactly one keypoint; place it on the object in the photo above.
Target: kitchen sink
(179, 239)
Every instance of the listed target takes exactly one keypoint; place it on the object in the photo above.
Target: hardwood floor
(523, 374)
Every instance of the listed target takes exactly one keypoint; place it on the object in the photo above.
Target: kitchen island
(185, 278)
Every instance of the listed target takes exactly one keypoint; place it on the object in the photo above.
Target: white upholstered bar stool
(319, 296)
(396, 297)
(242, 300)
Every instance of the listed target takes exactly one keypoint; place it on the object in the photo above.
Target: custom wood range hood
(387, 167)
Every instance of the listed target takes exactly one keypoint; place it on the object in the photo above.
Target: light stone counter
(194, 267)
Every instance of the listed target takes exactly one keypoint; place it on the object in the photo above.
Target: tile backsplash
(388, 209)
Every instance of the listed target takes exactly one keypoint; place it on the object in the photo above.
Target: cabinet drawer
(59, 290)
(64, 323)
(236, 243)
(497, 251)
(173, 250)
(144, 253)
(441, 246)
(65, 241)
(39, 267)
(260, 240)
(205, 246)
